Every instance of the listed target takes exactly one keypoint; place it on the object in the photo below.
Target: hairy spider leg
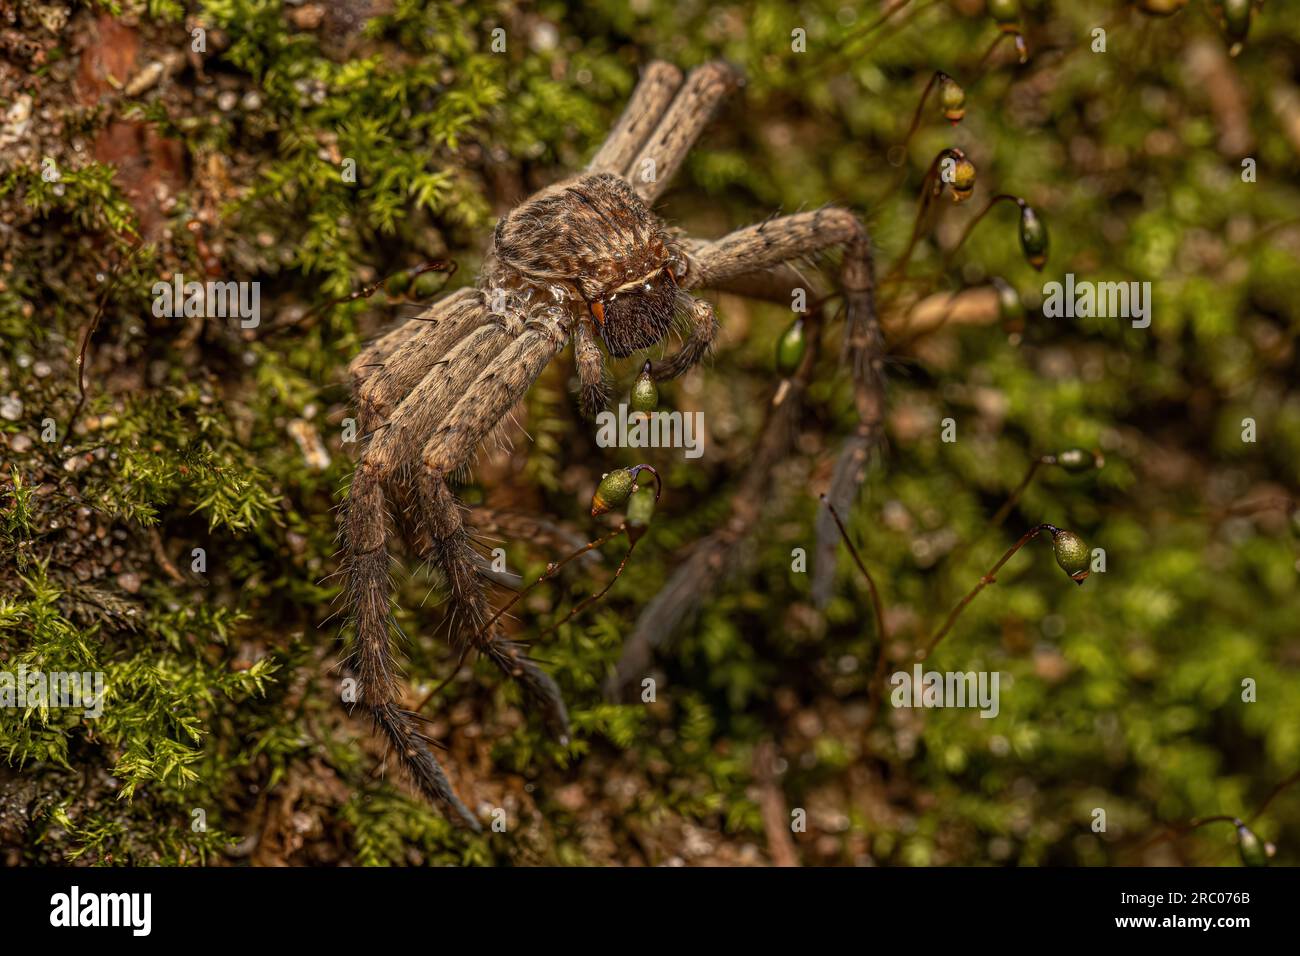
(773, 284)
(777, 241)
(483, 404)
(367, 589)
(387, 370)
(407, 351)
(440, 537)
(662, 155)
(652, 96)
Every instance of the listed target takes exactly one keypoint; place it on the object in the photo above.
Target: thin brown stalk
(592, 599)
(881, 663)
(1001, 197)
(984, 582)
(1010, 503)
(312, 316)
(1173, 831)
(89, 330)
(551, 571)
(1273, 795)
(931, 188)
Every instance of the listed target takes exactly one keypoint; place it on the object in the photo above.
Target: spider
(584, 261)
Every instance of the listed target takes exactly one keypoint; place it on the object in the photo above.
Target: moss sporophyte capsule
(1234, 18)
(952, 100)
(612, 491)
(1033, 237)
(645, 394)
(398, 284)
(1010, 307)
(1071, 554)
(1006, 13)
(640, 509)
(963, 180)
(790, 348)
(1252, 849)
(1077, 460)
(616, 486)
(428, 284)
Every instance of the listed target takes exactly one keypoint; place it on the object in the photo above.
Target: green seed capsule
(1253, 852)
(640, 509)
(428, 284)
(612, 491)
(1076, 460)
(398, 284)
(1033, 237)
(645, 394)
(952, 100)
(790, 348)
(1006, 13)
(1071, 554)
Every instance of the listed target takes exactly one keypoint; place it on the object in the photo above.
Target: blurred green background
(1124, 694)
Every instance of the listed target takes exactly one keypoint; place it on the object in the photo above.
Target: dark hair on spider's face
(637, 315)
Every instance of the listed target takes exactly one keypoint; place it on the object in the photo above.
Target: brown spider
(585, 259)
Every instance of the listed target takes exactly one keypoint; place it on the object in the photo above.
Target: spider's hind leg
(391, 365)
(396, 363)
(663, 153)
(653, 93)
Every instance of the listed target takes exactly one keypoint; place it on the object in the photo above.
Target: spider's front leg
(484, 403)
(454, 332)
(699, 342)
(365, 568)
(440, 380)
(387, 369)
(772, 244)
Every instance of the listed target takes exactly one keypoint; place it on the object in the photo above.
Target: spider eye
(598, 312)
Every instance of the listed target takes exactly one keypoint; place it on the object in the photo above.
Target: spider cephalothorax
(594, 235)
(583, 261)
